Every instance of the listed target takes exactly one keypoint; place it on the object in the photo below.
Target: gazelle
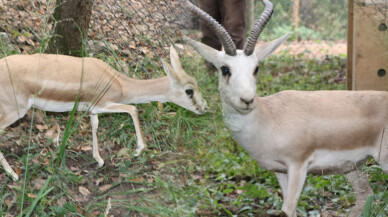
(295, 132)
(53, 82)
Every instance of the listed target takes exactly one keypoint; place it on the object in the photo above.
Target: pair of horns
(223, 35)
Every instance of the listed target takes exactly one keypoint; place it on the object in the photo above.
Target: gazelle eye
(189, 92)
(256, 70)
(225, 71)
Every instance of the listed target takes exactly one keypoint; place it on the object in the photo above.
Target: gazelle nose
(247, 101)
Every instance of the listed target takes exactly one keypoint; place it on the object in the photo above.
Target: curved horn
(222, 34)
(258, 27)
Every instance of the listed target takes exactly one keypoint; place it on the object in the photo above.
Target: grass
(192, 166)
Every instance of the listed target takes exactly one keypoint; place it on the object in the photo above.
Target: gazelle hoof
(100, 162)
(137, 152)
(140, 148)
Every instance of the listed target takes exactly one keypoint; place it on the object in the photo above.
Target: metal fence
(139, 32)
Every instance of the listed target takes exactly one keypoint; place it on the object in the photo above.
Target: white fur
(57, 106)
(296, 132)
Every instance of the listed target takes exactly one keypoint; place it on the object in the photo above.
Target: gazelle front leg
(296, 176)
(96, 153)
(118, 108)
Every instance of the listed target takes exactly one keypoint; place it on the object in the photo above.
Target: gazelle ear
(169, 71)
(208, 53)
(264, 50)
(175, 62)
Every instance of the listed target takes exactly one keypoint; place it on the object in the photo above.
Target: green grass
(192, 166)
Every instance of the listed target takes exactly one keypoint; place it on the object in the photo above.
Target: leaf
(31, 195)
(8, 202)
(104, 188)
(41, 128)
(18, 170)
(84, 191)
(38, 183)
(98, 181)
(137, 179)
(21, 39)
(61, 201)
(51, 131)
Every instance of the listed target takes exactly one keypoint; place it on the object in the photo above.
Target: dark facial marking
(190, 92)
(256, 71)
(193, 101)
(226, 73)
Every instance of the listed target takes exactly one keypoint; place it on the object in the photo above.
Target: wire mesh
(141, 31)
(138, 33)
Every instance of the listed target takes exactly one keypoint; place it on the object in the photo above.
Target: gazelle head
(237, 68)
(183, 88)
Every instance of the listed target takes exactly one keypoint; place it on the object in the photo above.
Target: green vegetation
(319, 20)
(192, 166)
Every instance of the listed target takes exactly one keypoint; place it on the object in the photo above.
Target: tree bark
(250, 15)
(73, 18)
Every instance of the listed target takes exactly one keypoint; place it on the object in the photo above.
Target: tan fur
(297, 132)
(53, 83)
(327, 120)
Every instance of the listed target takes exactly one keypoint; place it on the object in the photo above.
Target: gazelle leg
(119, 108)
(6, 119)
(282, 179)
(7, 167)
(296, 177)
(96, 153)
(361, 188)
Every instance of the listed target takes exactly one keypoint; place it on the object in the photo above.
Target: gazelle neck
(237, 122)
(144, 91)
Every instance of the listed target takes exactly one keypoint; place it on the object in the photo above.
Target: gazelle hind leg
(6, 119)
(362, 189)
(7, 167)
(96, 153)
(282, 179)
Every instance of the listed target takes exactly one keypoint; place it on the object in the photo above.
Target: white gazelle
(53, 82)
(295, 132)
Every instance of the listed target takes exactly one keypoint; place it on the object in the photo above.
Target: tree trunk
(295, 16)
(250, 15)
(73, 18)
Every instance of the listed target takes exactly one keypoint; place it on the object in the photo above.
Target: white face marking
(238, 89)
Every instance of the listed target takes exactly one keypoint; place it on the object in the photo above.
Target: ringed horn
(223, 35)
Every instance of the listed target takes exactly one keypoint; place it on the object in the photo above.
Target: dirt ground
(313, 49)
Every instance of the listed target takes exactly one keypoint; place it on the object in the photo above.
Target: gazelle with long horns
(295, 132)
(54, 82)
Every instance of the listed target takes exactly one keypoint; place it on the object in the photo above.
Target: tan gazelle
(53, 82)
(296, 132)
